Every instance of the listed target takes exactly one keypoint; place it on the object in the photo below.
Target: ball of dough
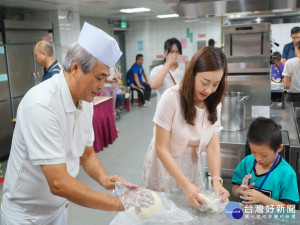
(209, 204)
(145, 213)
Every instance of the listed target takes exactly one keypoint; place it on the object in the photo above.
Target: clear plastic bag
(133, 197)
(169, 213)
(213, 202)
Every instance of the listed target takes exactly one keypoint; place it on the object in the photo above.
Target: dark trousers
(147, 90)
(120, 100)
(140, 93)
(292, 97)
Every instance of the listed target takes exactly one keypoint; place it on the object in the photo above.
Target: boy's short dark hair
(264, 131)
(138, 56)
(276, 55)
(295, 30)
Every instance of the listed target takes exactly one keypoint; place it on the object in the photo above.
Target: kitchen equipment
(18, 70)
(6, 129)
(247, 49)
(233, 111)
(23, 70)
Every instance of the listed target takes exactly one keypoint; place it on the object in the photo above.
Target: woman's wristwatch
(216, 178)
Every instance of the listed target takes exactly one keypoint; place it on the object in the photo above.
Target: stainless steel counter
(283, 117)
(251, 216)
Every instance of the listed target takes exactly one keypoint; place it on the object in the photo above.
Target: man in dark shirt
(289, 49)
(44, 56)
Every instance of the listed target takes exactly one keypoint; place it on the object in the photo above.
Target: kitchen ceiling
(96, 8)
(198, 8)
(185, 8)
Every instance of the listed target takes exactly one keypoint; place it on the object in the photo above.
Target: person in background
(187, 121)
(211, 42)
(276, 68)
(264, 177)
(120, 99)
(291, 73)
(289, 49)
(111, 83)
(171, 72)
(276, 75)
(54, 136)
(136, 78)
(45, 57)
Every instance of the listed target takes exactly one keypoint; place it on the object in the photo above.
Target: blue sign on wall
(3, 77)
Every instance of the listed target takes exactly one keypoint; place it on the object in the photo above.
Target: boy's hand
(244, 186)
(252, 196)
(246, 181)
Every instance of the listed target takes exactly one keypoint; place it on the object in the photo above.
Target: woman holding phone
(171, 71)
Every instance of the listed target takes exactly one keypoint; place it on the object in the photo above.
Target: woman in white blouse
(171, 72)
(187, 122)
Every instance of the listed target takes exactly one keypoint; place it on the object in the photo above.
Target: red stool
(126, 102)
(135, 100)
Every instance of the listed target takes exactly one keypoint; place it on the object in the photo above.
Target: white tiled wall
(69, 29)
(154, 33)
(98, 22)
(66, 29)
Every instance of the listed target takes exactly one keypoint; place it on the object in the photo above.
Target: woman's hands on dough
(191, 195)
(220, 190)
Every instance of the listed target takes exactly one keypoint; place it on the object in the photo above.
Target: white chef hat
(99, 44)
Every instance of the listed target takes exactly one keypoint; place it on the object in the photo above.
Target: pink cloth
(104, 125)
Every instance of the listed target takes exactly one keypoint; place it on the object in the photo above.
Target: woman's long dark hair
(206, 59)
(168, 46)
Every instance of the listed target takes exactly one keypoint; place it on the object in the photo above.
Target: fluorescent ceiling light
(134, 10)
(192, 20)
(167, 16)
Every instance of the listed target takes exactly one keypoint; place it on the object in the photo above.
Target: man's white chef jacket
(49, 130)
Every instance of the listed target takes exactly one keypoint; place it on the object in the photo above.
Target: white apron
(12, 214)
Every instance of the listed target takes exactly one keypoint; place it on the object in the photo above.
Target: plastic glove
(133, 197)
(244, 186)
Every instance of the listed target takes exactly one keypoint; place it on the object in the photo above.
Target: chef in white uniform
(54, 136)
